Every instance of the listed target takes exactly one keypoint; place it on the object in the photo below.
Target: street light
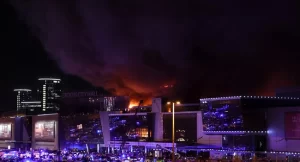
(173, 128)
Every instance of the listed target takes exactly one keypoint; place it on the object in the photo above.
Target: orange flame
(135, 102)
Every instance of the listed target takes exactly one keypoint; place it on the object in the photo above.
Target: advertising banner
(5, 131)
(44, 131)
(292, 125)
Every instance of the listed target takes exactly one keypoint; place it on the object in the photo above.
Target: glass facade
(244, 142)
(230, 116)
(222, 115)
(78, 130)
(184, 132)
(130, 128)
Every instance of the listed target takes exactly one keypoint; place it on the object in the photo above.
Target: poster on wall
(44, 131)
(292, 125)
(5, 131)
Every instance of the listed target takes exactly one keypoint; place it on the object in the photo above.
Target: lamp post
(173, 128)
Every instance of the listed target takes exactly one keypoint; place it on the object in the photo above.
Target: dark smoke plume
(135, 47)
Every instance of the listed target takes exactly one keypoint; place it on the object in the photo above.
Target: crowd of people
(66, 155)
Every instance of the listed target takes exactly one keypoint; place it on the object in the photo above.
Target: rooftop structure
(22, 95)
(31, 102)
(52, 79)
(24, 90)
(250, 97)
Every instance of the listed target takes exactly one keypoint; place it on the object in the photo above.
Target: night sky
(203, 47)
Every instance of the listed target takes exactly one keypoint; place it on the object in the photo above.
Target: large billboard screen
(44, 131)
(292, 125)
(5, 131)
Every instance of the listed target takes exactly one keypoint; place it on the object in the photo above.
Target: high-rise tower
(50, 93)
(23, 95)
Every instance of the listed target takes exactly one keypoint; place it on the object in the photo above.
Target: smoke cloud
(135, 47)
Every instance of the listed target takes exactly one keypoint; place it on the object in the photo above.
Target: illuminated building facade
(243, 121)
(151, 124)
(32, 107)
(50, 94)
(51, 99)
(130, 127)
(78, 130)
(23, 95)
(238, 123)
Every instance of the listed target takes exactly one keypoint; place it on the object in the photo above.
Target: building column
(158, 117)
(199, 126)
(104, 118)
(158, 128)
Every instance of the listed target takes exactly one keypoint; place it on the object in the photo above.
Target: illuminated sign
(44, 131)
(5, 131)
(80, 94)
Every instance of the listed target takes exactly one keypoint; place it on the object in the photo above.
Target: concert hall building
(261, 124)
